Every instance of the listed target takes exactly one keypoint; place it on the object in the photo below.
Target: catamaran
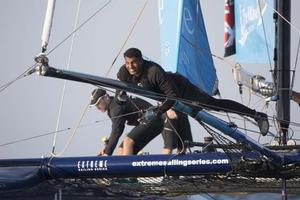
(240, 164)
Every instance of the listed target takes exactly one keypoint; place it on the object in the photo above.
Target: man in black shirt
(126, 110)
(151, 76)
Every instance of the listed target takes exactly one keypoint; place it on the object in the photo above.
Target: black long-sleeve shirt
(117, 109)
(172, 85)
(155, 79)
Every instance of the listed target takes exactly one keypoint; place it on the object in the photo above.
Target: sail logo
(92, 165)
(189, 23)
(250, 19)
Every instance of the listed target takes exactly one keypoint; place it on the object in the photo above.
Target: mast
(48, 24)
(282, 67)
(282, 74)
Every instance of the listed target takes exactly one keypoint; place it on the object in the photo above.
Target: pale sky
(30, 106)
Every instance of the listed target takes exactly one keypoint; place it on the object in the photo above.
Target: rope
(294, 27)
(65, 81)
(129, 98)
(296, 62)
(80, 26)
(33, 137)
(78, 125)
(265, 36)
(24, 74)
(186, 101)
(189, 102)
(70, 53)
(117, 56)
(244, 121)
(228, 117)
(127, 38)
(62, 130)
(73, 134)
(298, 31)
(177, 134)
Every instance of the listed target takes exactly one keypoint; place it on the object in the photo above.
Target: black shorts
(136, 149)
(142, 134)
(169, 136)
(182, 127)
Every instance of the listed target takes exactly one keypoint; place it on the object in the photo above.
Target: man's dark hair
(133, 53)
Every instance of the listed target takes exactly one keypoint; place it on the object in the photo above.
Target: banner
(255, 31)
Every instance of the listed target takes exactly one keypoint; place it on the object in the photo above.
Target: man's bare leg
(128, 144)
(167, 151)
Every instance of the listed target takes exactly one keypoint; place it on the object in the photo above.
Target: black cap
(96, 95)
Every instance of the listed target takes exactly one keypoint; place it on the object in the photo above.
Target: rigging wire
(97, 11)
(186, 101)
(130, 34)
(177, 134)
(227, 62)
(73, 134)
(60, 43)
(65, 81)
(68, 64)
(266, 41)
(80, 26)
(189, 102)
(298, 31)
(63, 130)
(24, 74)
(244, 121)
(215, 112)
(99, 121)
(287, 21)
(127, 38)
(33, 137)
(295, 67)
(155, 95)
(78, 125)
(93, 16)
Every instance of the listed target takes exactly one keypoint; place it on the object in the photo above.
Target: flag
(229, 33)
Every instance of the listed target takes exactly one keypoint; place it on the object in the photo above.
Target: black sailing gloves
(262, 122)
(150, 114)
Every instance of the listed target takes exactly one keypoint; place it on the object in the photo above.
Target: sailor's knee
(128, 141)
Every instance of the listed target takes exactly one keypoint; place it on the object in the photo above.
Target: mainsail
(184, 44)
